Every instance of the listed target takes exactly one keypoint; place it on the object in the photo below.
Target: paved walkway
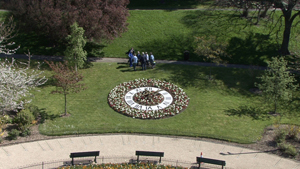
(58, 58)
(123, 145)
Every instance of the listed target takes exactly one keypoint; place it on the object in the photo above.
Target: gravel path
(59, 58)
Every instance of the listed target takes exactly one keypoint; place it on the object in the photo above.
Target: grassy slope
(214, 109)
(168, 33)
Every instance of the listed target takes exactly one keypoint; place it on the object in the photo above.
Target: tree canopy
(277, 82)
(76, 42)
(101, 19)
(290, 10)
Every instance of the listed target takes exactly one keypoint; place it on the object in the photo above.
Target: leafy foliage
(261, 8)
(13, 134)
(15, 85)
(211, 49)
(288, 149)
(66, 80)
(102, 19)
(124, 165)
(277, 83)
(7, 32)
(23, 120)
(76, 42)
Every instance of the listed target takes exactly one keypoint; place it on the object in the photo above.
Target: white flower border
(117, 102)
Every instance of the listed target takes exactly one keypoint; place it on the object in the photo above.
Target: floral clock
(148, 99)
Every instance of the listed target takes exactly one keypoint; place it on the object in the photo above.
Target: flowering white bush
(15, 84)
(116, 99)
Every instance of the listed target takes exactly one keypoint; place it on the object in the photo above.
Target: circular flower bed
(148, 98)
(116, 99)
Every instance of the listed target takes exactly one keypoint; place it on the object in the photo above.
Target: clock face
(141, 98)
(148, 99)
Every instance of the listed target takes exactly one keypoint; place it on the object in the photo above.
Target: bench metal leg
(160, 159)
(137, 161)
(95, 160)
(72, 161)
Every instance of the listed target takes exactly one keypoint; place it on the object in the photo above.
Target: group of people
(145, 59)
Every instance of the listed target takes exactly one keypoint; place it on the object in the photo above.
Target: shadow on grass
(37, 44)
(253, 112)
(255, 49)
(171, 48)
(231, 80)
(167, 4)
(215, 23)
(44, 115)
(247, 48)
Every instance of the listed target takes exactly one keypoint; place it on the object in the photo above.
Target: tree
(7, 32)
(277, 82)
(15, 85)
(74, 52)
(262, 6)
(211, 50)
(15, 82)
(67, 80)
(101, 19)
(287, 7)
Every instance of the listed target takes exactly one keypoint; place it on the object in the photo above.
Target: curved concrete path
(123, 145)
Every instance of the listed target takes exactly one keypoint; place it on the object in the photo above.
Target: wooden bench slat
(85, 154)
(149, 153)
(210, 161)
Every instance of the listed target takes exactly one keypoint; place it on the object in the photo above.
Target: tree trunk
(65, 104)
(264, 13)
(275, 106)
(284, 50)
(245, 12)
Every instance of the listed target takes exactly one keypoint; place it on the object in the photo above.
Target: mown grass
(222, 108)
(168, 33)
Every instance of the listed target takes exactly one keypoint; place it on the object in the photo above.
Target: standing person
(139, 57)
(134, 61)
(147, 59)
(143, 61)
(130, 50)
(130, 55)
(127, 53)
(152, 62)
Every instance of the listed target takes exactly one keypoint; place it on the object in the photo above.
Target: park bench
(210, 161)
(84, 154)
(149, 153)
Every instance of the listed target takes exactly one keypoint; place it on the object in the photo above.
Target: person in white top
(152, 60)
(147, 57)
(134, 61)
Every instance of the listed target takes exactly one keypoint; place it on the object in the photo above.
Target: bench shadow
(256, 152)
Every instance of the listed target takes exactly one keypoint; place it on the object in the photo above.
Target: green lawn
(221, 109)
(169, 33)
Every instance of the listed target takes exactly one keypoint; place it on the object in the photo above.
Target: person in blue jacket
(130, 55)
